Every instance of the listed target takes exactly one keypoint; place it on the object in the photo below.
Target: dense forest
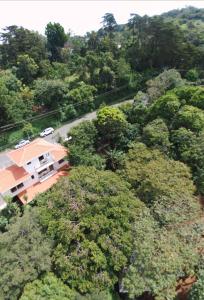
(128, 222)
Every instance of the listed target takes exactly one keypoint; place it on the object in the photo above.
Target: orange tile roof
(40, 187)
(11, 177)
(35, 149)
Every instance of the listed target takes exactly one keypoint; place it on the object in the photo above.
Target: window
(42, 171)
(14, 189)
(41, 157)
(29, 163)
(60, 161)
(19, 186)
(32, 177)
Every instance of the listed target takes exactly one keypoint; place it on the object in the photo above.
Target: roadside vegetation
(128, 222)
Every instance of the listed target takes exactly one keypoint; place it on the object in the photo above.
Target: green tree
(190, 117)
(111, 123)
(82, 97)
(28, 130)
(26, 68)
(56, 39)
(15, 100)
(93, 231)
(109, 22)
(82, 146)
(51, 93)
(152, 175)
(47, 288)
(192, 75)
(20, 41)
(159, 258)
(159, 85)
(25, 252)
(156, 134)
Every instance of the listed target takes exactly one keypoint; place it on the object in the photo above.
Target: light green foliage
(15, 101)
(47, 288)
(156, 134)
(192, 75)
(26, 68)
(51, 93)
(164, 185)
(159, 258)
(90, 220)
(167, 80)
(110, 123)
(197, 290)
(190, 117)
(82, 97)
(123, 71)
(84, 135)
(152, 175)
(28, 130)
(191, 95)
(198, 98)
(165, 107)
(25, 254)
(106, 78)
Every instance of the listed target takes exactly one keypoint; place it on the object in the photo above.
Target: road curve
(62, 131)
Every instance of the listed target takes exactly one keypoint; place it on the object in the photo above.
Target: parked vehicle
(67, 139)
(47, 131)
(21, 144)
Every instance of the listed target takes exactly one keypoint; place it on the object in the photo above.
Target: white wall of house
(31, 166)
(29, 182)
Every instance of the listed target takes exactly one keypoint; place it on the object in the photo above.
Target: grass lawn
(10, 138)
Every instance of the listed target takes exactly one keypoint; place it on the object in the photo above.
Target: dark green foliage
(197, 290)
(159, 258)
(25, 254)
(27, 69)
(56, 39)
(90, 221)
(20, 41)
(156, 134)
(82, 146)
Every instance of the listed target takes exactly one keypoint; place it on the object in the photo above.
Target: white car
(67, 139)
(21, 144)
(47, 131)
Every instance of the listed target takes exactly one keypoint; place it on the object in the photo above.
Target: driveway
(62, 131)
(4, 161)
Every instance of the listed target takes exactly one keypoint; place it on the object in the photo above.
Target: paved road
(61, 132)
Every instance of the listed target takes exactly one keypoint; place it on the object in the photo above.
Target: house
(34, 169)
